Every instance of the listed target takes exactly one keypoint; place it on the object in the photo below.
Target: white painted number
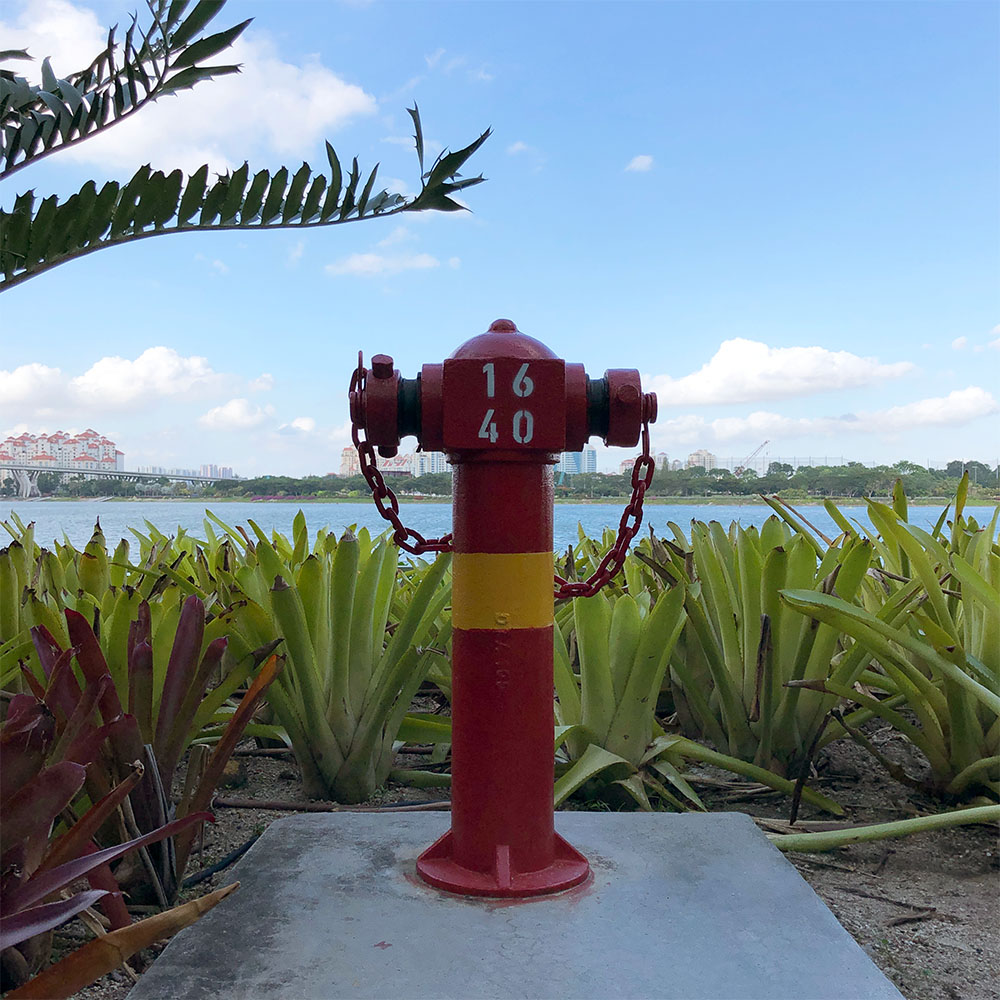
(524, 427)
(490, 386)
(523, 385)
(488, 428)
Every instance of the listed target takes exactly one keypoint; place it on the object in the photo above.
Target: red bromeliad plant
(56, 744)
(168, 705)
(72, 762)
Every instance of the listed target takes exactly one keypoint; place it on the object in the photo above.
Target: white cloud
(158, 371)
(28, 383)
(303, 425)
(371, 264)
(272, 108)
(434, 58)
(994, 344)
(641, 163)
(959, 343)
(517, 147)
(401, 234)
(236, 415)
(295, 254)
(745, 370)
(959, 407)
(455, 262)
(36, 392)
(71, 36)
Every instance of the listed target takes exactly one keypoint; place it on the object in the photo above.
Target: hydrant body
(502, 408)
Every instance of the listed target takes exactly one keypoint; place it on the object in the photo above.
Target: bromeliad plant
(933, 628)
(360, 632)
(612, 742)
(168, 706)
(61, 800)
(606, 714)
(741, 646)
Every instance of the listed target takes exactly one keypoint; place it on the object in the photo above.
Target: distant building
(574, 462)
(702, 458)
(217, 472)
(427, 463)
(83, 452)
(662, 460)
(159, 470)
(422, 463)
(350, 464)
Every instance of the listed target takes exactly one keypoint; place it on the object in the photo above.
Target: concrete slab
(699, 907)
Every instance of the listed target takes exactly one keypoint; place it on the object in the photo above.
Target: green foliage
(606, 709)
(156, 652)
(170, 55)
(741, 647)
(933, 628)
(359, 631)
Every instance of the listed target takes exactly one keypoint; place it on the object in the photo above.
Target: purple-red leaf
(181, 668)
(32, 681)
(19, 927)
(31, 810)
(82, 722)
(92, 662)
(74, 841)
(39, 886)
(63, 692)
(24, 741)
(224, 748)
(169, 753)
(46, 647)
(140, 687)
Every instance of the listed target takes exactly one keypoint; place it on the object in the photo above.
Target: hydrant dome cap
(503, 339)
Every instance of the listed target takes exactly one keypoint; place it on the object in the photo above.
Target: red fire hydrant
(502, 408)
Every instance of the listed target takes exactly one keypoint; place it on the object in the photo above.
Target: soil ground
(925, 908)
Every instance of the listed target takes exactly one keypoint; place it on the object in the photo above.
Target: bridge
(26, 476)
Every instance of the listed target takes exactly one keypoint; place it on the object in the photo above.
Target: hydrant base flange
(438, 868)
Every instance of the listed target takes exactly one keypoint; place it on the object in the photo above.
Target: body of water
(75, 520)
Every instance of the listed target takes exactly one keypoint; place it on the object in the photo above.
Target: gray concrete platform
(679, 907)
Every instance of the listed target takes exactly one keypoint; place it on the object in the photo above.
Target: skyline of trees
(853, 480)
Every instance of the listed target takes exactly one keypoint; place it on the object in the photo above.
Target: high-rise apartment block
(83, 452)
(217, 472)
(703, 458)
(421, 463)
(575, 462)
(427, 463)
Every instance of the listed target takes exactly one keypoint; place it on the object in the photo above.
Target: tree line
(853, 480)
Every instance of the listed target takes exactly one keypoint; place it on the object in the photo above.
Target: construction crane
(746, 461)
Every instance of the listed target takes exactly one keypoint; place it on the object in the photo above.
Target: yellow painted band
(502, 590)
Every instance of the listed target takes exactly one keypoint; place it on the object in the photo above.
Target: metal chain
(415, 543)
(628, 528)
(406, 538)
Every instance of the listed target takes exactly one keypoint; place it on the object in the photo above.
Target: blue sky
(783, 214)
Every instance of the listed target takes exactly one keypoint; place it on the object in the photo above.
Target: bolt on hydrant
(502, 408)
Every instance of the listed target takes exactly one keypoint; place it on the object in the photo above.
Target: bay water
(74, 519)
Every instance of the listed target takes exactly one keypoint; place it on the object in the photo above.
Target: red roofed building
(59, 450)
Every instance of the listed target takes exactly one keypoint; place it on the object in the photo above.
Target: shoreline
(689, 501)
